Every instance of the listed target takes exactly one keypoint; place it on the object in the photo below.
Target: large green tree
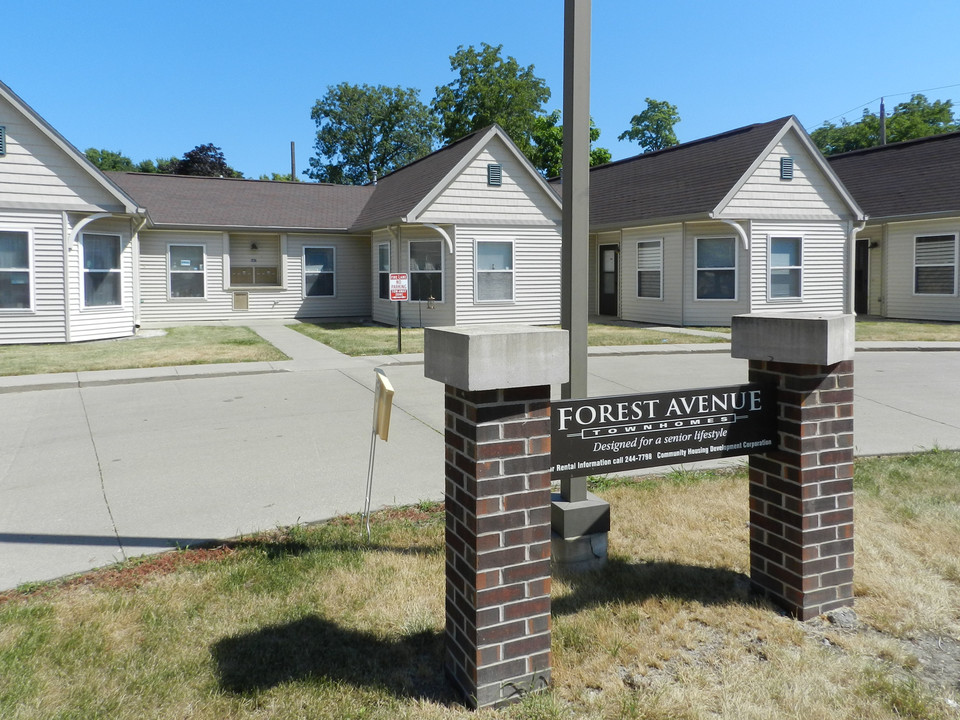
(548, 145)
(365, 132)
(490, 89)
(915, 118)
(109, 160)
(653, 128)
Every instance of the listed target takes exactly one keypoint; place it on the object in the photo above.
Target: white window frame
(442, 270)
(658, 269)
(84, 271)
(697, 269)
(798, 269)
(29, 270)
(953, 265)
(478, 271)
(333, 272)
(171, 270)
(381, 272)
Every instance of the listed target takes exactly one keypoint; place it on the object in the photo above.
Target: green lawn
(188, 345)
(315, 622)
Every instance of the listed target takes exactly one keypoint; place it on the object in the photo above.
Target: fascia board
(67, 147)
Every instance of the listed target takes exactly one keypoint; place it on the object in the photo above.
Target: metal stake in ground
(382, 405)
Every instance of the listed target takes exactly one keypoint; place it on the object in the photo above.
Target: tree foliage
(490, 89)
(206, 161)
(653, 128)
(916, 118)
(548, 145)
(365, 132)
(109, 160)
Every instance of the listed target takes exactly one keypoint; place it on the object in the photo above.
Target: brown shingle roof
(188, 201)
(399, 192)
(682, 181)
(916, 177)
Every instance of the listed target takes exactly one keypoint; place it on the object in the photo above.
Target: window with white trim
(494, 270)
(786, 268)
(650, 269)
(187, 276)
(319, 272)
(716, 268)
(383, 270)
(935, 265)
(102, 282)
(426, 270)
(16, 278)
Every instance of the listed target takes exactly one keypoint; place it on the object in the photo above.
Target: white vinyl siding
(519, 200)
(265, 302)
(668, 309)
(935, 265)
(187, 277)
(650, 269)
(785, 268)
(426, 270)
(494, 266)
(16, 273)
(822, 258)
(319, 271)
(102, 321)
(810, 195)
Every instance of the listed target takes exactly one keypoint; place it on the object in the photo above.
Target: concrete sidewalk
(102, 466)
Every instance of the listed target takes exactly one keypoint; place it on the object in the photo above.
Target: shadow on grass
(315, 649)
(621, 581)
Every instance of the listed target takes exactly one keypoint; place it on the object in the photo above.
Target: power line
(891, 95)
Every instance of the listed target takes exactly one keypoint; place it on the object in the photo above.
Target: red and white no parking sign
(399, 286)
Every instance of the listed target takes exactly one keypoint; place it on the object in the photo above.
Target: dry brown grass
(314, 622)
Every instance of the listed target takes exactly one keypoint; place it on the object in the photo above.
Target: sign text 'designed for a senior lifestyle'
(628, 432)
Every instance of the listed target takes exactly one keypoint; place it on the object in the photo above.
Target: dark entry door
(861, 283)
(609, 272)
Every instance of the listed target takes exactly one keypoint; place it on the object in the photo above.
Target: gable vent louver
(786, 168)
(3, 141)
(495, 174)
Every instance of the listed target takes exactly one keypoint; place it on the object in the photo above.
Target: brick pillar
(498, 542)
(801, 496)
(497, 491)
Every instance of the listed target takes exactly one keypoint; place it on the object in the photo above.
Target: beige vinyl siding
(712, 312)
(536, 276)
(520, 200)
(352, 298)
(414, 313)
(901, 302)
(383, 311)
(669, 309)
(99, 323)
(822, 275)
(809, 195)
(45, 322)
(37, 173)
(877, 301)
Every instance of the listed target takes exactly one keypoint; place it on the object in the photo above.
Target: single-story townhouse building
(748, 221)
(752, 220)
(907, 256)
(88, 255)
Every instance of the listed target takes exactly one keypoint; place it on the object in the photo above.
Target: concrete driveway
(98, 467)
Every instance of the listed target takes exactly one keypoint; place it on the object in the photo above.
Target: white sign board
(399, 286)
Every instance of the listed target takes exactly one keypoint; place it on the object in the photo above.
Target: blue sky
(156, 78)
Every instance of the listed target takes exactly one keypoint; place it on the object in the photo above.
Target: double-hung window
(494, 270)
(716, 268)
(650, 269)
(101, 270)
(383, 270)
(935, 265)
(786, 268)
(426, 270)
(186, 271)
(319, 272)
(15, 275)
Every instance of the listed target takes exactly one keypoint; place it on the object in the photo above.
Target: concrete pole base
(578, 554)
